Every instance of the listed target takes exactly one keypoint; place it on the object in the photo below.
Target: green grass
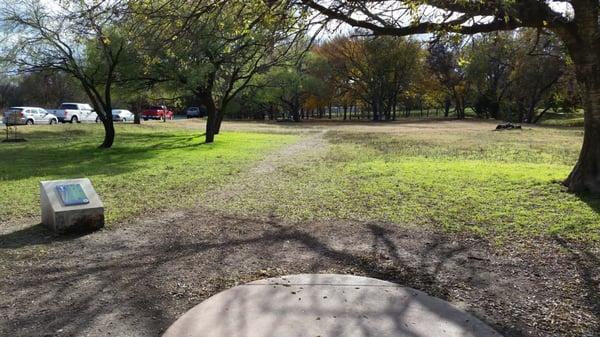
(150, 167)
(574, 119)
(498, 184)
(455, 176)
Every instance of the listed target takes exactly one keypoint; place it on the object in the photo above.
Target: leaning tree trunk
(109, 132)
(585, 176)
(219, 120)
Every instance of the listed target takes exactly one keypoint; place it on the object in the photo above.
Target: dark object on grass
(508, 126)
(14, 140)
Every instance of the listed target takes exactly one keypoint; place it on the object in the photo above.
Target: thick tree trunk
(585, 176)
(211, 112)
(584, 48)
(205, 98)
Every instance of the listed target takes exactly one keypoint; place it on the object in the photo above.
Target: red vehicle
(157, 112)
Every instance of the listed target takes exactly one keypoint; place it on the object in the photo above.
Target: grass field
(458, 176)
(574, 119)
(155, 166)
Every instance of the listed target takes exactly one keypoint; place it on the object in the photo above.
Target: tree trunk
(447, 104)
(219, 120)
(205, 98)
(109, 133)
(375, 112)
(458, 101)
(585, 176)
(109, 127)
(296, 115)
(584, 48)
(138, 111)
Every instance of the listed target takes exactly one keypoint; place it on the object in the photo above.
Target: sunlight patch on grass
(494, 184)
(148, 168)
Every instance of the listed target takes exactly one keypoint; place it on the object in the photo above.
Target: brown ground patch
(135, 280)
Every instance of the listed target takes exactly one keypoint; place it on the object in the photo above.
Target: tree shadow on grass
(588, 267)
(79, 158)
(591, 200)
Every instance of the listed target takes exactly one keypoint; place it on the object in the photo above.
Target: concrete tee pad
(326, 305)
(62, 217)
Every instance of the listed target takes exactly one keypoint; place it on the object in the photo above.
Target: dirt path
(261, 174)
(138, 277)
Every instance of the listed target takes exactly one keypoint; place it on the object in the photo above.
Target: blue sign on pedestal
(72, 194)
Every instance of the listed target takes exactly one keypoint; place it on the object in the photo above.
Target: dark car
(195, 111)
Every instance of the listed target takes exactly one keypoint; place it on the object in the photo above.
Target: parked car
(195, 111)
(75, 113)
(157, 112)
(28, 115)
(122, 115)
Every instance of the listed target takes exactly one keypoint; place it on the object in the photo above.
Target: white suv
(75, 113)
(28, 115)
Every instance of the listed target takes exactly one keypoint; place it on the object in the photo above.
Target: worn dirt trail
(261, 174)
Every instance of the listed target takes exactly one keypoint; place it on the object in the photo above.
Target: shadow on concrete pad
(326, 305)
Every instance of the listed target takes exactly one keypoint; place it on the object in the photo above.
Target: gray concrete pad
(326, 305)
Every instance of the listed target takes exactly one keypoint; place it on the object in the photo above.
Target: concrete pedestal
(327, 306)
(61, 218)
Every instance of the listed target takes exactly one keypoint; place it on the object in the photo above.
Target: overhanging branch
(501, 17)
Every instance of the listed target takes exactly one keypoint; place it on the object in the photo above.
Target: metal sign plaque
(72, 194)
